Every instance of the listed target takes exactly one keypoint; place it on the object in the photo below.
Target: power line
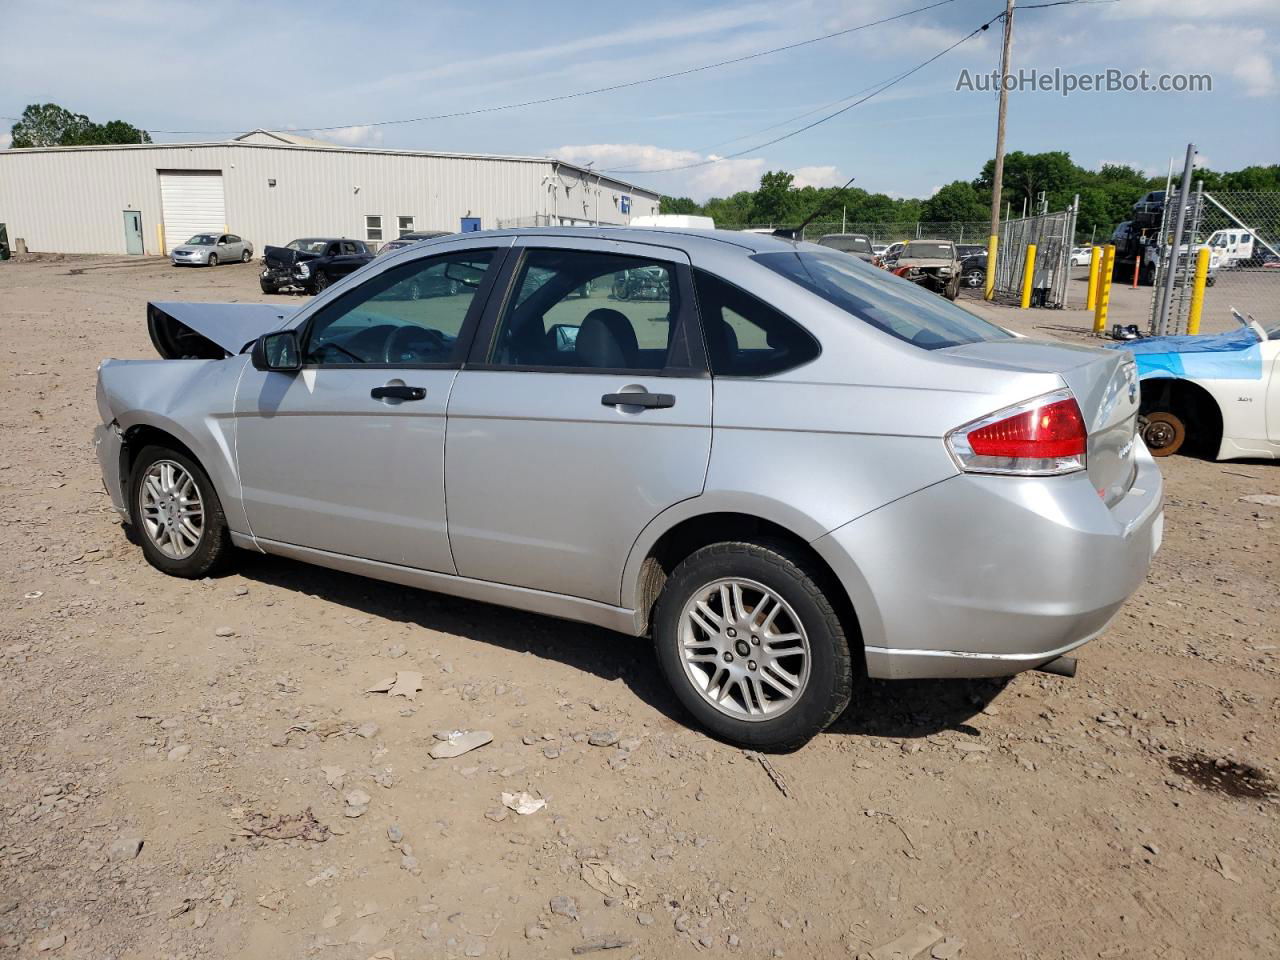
(809, 126)
(597, 90)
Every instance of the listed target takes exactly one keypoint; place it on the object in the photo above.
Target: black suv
(311, 264)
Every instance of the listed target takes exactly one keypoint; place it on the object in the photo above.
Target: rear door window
(895, 306)
(745, 336)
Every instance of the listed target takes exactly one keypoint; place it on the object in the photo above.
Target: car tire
(774, 575)
(158, 485)
(952, 289)
(268, 287)
(319, 283)
(213, 259)
(975, 278)
(1163, 432)
(246, 257)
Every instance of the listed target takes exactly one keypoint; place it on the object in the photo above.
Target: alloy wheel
(172, 509)
(744, 649)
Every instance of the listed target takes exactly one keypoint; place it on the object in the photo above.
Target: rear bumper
(988, 576)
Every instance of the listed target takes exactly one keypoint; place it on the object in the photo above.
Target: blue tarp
(1234, 355)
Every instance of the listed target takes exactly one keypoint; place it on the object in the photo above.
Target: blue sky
(231, 66)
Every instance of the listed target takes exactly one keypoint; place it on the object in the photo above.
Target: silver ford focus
(789, 468)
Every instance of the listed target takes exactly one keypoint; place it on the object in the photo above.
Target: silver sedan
(210, 249)
(789, 468)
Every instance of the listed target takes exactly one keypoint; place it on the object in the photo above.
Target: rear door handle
(398, 392)
(650, 400)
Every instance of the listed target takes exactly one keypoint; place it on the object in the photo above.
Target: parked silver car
(791, 468)
(210, 249)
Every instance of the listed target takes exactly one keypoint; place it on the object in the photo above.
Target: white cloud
(1165, 10)
(354, 136)
(718, 178)
(6, 138)
(1243, 53)
(819, 176)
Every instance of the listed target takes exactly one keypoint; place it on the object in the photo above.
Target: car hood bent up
(210, 331)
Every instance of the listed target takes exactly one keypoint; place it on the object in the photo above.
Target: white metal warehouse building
(271, 188)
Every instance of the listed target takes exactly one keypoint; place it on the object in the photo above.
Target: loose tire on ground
(826, 677)
(213, 547)
(1164, 433)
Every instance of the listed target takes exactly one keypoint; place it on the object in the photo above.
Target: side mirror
(277, 351)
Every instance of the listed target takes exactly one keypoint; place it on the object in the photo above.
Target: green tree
(955, 203)
(50, 125)
(772, 202)
(678, 205)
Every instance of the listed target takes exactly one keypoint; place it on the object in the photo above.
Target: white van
(678, 220)
(1234, 247)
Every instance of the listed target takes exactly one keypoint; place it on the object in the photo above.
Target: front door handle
(398, 392)
(651, 400)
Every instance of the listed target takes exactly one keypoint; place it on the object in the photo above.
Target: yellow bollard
(993, 245)
(1028, 274)
(1197, 291)
(1104, 288)
(1095, 261)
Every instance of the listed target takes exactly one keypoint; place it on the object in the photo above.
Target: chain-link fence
(1241, 229)
(1052, 234)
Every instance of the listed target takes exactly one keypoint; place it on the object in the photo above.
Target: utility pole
(997, 179)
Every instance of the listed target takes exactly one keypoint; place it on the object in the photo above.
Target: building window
(373, 228)
(406, 225)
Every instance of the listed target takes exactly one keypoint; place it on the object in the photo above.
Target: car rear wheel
(752, 646)
(246, 257)
(975, 278)
(1164, 433)
(177, 514)
(213, 259)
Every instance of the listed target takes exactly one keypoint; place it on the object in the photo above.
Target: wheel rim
(321, 282)
(213, 259)
(1159, 434)
(744, 649)
(172, 509)
(974, 278)
(244, 257)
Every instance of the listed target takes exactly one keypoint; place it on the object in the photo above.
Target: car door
(235, 249)
(583, 412)
(346, 455)
(349, 259)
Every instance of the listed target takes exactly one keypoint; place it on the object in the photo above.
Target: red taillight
(1054, 430)
(1039, 437)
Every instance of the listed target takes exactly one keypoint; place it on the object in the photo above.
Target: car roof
(683, 239)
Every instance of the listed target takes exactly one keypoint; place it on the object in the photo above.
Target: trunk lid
(1105, 385)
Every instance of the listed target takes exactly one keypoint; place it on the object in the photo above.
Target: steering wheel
(410, 344)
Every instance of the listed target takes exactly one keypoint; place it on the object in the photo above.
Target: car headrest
(606, 339)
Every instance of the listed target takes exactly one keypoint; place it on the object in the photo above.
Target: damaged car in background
(933, 264)
(890, 486)
(311, 264)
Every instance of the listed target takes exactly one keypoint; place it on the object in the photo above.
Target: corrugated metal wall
(71, 200)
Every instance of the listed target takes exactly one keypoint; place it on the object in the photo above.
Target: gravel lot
(1129, 812)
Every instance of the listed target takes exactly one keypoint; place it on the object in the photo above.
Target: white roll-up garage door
(193, 203)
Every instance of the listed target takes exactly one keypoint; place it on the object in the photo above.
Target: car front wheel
(213, 259)
(177, 514)
(752, 646)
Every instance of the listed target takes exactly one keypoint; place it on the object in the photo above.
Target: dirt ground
(162, 742)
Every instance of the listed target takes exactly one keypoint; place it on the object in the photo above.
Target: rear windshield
(898, 307)
(847, 243)
(928, 250)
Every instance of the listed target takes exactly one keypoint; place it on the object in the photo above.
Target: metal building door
(133, 233)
